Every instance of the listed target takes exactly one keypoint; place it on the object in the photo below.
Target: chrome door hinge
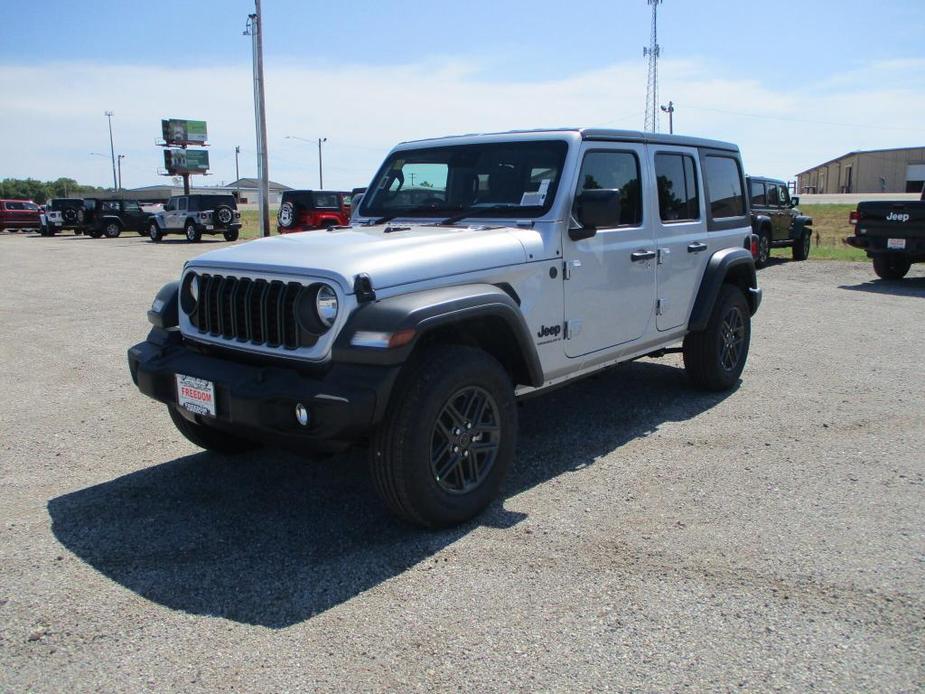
(663, 254)
(660, 306)
(572, 329)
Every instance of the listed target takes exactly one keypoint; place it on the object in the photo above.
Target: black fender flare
(801, 224)
(760, 221)
(111, 218)
(732, 263)
(164, 312)
(422, 313)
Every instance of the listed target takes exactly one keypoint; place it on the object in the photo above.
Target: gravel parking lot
(651, 537)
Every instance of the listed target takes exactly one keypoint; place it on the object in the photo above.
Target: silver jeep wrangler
(479, 269)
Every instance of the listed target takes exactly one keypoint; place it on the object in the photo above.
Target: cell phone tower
(652, 53)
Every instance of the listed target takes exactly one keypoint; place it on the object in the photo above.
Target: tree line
(43, 191)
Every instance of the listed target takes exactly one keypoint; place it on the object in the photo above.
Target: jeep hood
(408, 253)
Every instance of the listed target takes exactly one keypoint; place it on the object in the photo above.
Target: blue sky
(792, 82)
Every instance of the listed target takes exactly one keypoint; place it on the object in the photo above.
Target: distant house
(244, 188)
(875, 171)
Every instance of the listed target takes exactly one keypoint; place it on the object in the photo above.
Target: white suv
(195, 215)
(479, 269)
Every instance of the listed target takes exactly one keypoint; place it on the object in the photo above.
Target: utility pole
(320, 165)
(237, 173)
(255, 31)
(652, 52)
(119, 164)
(112, 150)
(669, 109)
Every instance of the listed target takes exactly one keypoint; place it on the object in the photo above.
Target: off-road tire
(112, 230)
(891, 267)
(193, 235)
(211, 439)
(231, 235)
(764, 248)
(96, 233)
(69, 215)
(402, 451)
(802, 245)
(222, 216)
(706, 352)
(154, 232)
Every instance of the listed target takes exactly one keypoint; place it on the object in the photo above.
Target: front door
(681, 232)
(610, 277)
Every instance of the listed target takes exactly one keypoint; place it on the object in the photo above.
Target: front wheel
(211, 439)
(891, 267)
(801, 246)
(715, 356)
(154, 232)
(231, 235)
(193, 235)
(112, 230)
(441, 453)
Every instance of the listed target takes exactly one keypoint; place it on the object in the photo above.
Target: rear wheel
(715, 356)
(95, 234)
(113, 230)
(891, 267)
(441, 453)
(231, 235)
(193, 235)
(764, 248)
(211, 439)
(154, 232)
(802, 245)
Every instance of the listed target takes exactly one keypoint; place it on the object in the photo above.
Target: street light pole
(255, 30)
(320, 165)
(237, 172)
(669, 109)
(112, 150)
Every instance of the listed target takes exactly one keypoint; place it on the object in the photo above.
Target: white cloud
(52, 115)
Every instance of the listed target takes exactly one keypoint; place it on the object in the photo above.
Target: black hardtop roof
(300, 191)
(767, 179)
(204, 195)
(609, 135)
(112, 199)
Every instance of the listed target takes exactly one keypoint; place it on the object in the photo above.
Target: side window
(132, 206)
(14, 206)
(773, 197)
(610, 170)
(181, 204)
(110, 206)
(724, 181)
(678, 193)
(784, 195)
(756, 192)
(171, 205)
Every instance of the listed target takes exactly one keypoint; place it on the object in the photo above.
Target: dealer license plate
(896, 244)
(196, 395)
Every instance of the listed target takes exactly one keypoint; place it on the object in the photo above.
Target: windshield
(210, 202)
(514, 179)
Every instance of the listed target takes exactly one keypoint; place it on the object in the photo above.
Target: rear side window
(756, 192)
(14, 206)
(773, 197)
(609, 170)
(724, 181)
(327, 200)
(678, 193)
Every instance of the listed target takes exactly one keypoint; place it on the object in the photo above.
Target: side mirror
(794, 201)
(594, 209)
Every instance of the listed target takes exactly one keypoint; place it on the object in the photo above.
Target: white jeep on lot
(195, 215)
(479, 269)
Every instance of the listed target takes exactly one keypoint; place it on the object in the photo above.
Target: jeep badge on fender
(408, 332)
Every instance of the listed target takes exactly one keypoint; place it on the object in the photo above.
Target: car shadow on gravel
(271, 539)
(910, 286)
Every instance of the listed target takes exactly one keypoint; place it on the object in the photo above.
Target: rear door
(610, 277)
(681, 233)
(132, 216)
(779, 217)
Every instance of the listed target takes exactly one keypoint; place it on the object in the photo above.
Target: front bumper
(258, 402)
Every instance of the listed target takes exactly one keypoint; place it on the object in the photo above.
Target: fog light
(301, 414)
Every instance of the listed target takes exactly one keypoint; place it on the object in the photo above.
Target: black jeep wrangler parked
(776, 219)
(111, 217)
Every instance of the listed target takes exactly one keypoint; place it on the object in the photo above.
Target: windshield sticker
(537, 198)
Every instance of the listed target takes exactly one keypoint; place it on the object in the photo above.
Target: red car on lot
(303, 210)
(19, 214)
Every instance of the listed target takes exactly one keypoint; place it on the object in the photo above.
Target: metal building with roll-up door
(875, 171)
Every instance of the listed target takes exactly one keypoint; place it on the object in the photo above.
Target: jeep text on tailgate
(478, 269)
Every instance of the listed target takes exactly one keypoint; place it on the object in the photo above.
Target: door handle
(638, 256)
(696, 247)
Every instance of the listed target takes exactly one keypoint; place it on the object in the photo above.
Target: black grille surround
(251, 311)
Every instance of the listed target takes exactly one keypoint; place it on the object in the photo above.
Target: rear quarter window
(724, 182)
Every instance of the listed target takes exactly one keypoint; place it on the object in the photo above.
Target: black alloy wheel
(465, 440)
(764, 249)
(732, 332)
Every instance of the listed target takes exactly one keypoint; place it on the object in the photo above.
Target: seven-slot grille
(248, 310)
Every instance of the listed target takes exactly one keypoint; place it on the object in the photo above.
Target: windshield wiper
(477, 211)
(403, 213)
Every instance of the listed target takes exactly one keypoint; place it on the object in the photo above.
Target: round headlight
(194, 288)
(326, 305)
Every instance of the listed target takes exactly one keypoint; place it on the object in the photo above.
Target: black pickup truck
(892, 233)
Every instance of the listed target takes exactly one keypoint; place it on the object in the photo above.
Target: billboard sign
(184, 132)
(180, 161)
